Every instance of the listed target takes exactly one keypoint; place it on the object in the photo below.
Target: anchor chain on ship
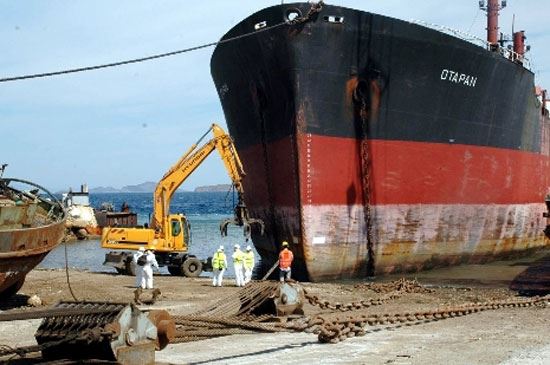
(361, 99)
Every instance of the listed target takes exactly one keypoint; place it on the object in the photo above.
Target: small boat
(81, 220)
(32, 223)
(84, 221)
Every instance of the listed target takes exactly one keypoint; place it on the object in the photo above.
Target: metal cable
(67, 273)
(142, 59)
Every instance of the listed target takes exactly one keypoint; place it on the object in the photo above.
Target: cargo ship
(32, 223)
(375, 145)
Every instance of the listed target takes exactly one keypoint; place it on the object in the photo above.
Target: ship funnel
(492, 7)
(519, 42)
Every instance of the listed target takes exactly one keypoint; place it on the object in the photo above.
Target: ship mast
(492, 7)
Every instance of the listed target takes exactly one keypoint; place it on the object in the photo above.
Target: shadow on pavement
(535, 279)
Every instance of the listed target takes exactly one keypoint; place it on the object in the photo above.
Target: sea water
(205, 211)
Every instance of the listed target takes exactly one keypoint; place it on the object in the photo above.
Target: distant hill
(213, 188)
(146, 187)
(104, 189)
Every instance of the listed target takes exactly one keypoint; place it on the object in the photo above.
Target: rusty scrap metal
(50, 312)
(253, 308)
(155, 294)
(118, 332)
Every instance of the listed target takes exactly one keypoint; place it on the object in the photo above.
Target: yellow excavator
(168, 234)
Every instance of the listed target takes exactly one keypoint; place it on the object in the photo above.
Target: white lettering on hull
(458, 78)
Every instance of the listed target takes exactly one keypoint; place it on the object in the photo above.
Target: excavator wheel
(175, 270)
(128, 269)
(191, 267)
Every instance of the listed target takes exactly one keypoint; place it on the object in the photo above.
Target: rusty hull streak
(415, 238)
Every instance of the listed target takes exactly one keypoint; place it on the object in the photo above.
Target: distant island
(213, 188)
(146, 187)
(149, 187)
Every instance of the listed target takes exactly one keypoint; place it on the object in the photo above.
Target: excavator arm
(188, 163)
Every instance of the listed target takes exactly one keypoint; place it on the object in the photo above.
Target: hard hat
(248, 248)
(141, 249)
(285, 243)
(237, 246)
(221, 248)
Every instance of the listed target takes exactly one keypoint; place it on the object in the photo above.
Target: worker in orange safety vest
(285, 262)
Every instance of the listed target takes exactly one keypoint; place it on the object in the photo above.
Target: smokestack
(519, 42)
(492, 22)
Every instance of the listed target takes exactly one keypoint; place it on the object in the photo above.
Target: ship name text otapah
(458, 78)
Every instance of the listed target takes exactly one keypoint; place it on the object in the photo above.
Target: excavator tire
(129, 269)
(175, 270)
(191, 267)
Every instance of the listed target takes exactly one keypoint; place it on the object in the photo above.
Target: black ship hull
(377, 145)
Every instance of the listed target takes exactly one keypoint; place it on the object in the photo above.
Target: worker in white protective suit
(219, 264)
(150, 263)
(248, 262)
(139, 269)
(238, 265)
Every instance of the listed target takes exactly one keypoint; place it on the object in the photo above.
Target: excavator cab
(179, 232)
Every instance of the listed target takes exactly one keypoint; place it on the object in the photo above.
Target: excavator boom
(188, 163)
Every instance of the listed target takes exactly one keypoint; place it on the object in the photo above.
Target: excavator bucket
(241, 218)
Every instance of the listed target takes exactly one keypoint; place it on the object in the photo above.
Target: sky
(129, 124)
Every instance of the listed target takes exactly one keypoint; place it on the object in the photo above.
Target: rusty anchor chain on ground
(355, 305)
(340, 328)
(237, 313)
(394, 290)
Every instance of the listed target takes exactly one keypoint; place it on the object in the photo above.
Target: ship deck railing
(505, 52)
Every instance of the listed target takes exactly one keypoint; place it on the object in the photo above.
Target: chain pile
(355, 305)
(402, 285)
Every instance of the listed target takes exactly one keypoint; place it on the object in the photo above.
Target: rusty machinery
(280, 299)
(104, 331)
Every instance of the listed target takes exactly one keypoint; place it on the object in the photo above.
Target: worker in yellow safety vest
(219, 264)
(248, 264)
(238, 265)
